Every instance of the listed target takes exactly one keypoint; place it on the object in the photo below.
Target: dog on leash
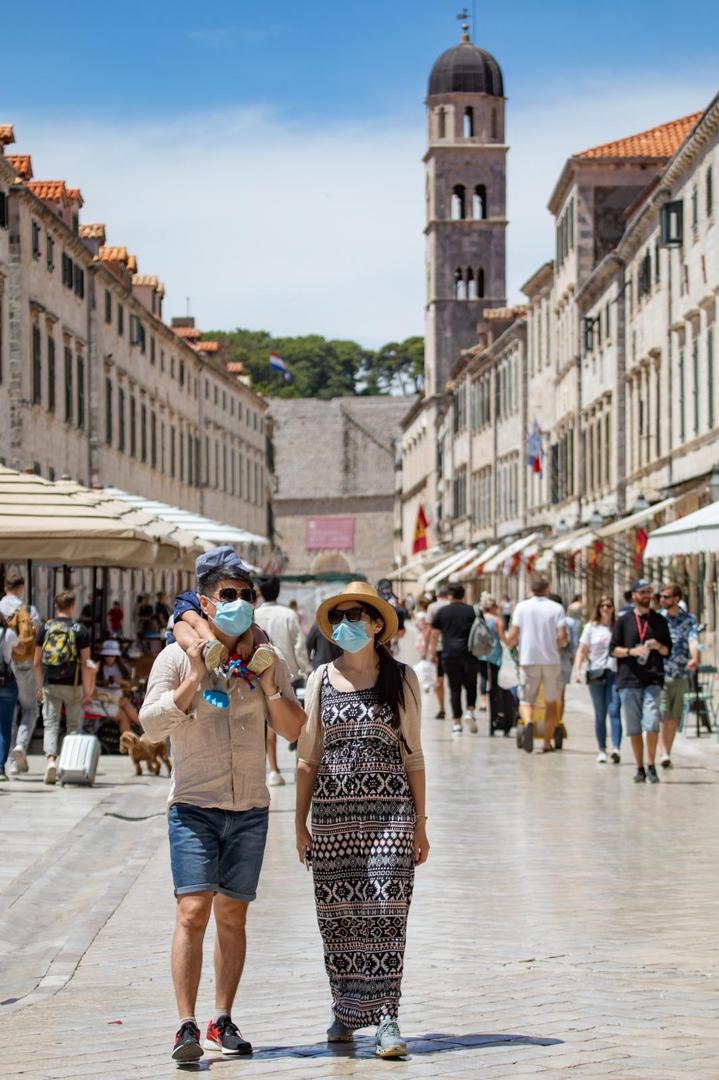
(141, 749)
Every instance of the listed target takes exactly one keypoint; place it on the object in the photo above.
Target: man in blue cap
(640, 643)
(218, 803)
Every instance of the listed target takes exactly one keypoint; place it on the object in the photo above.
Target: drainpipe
(95, 365)
(19, 405)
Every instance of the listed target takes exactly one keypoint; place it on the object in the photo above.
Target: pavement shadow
(363, 1047)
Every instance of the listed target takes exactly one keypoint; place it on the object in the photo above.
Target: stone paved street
(564, 925)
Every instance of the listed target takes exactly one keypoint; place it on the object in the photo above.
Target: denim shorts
(640, 709)
(218, 851)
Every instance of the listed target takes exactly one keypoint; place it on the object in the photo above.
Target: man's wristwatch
(274, 697)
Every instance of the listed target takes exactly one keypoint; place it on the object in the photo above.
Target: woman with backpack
(361, 769)
(8, 692)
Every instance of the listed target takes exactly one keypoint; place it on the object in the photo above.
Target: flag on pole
(535, 447)
(278, 364)
(419, 541)
(639, 544)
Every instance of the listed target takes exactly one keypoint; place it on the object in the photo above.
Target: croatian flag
(278, 364)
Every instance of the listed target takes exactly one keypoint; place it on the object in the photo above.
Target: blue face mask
(351, 637)
(233, 618)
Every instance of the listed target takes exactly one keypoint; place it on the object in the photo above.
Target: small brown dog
(141, 749)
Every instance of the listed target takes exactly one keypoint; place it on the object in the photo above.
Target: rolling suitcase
(78, 760)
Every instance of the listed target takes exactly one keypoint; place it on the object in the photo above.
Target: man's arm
(512, 634)
(87, 675)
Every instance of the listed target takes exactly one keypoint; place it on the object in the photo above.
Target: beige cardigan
(311, 745)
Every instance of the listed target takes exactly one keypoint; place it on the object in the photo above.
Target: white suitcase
(78, 760)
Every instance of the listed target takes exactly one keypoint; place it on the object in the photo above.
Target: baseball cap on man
(221, 558)
(640, 584)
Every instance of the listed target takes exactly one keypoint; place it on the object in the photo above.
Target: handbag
(596, 674)
(507, 676)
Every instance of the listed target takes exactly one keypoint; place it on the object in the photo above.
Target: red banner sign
(330, 534)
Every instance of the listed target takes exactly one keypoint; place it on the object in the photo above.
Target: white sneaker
(456, 728)
(665, 761)
(615, 756)
(275, 779)
(19, 758)
(50, 773)
(601, 758)
(471, 721)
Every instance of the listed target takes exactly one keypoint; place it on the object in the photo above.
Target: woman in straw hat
(361, 767)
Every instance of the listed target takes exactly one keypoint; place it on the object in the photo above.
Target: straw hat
(362, 592)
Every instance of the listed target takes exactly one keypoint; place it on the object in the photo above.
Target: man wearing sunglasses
(218, 801)
(684, 658)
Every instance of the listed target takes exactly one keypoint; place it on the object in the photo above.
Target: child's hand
(245, 645)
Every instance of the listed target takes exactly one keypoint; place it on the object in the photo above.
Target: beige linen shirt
(283, 629)
(218, 755)
(310, 746)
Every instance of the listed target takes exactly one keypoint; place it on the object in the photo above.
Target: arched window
(479, 202)
(460, 289)
(468, 129)
(441, 123)
(480, 283)
(459, 203)
(493, 125)
(471, 285)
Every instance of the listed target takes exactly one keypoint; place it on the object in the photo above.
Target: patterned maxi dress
(362, 854)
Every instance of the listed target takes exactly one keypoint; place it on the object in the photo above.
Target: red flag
(419, 541)
(639, 544)
(597, 549)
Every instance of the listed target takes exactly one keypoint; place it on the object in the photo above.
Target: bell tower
(465, 200)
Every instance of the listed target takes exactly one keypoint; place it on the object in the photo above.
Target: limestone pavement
(564, 925)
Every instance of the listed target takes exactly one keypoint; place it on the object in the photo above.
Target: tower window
(480, 283)
(479, 203)
(460, 289)
(493, 125)
(471, 285)
(441, 123)
(468, 130)
(459, 203)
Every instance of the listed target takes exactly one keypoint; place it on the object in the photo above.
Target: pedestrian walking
(640, 643)
(567, 652)
(218, 801)
(506, 612)
(454, 622)
(436, 649)
(684, 659)
(361, 769)
(538, 625)
(319, 649)
(601, 675)
(283, 629)
(62, 676)
(25, 621)
(8, 692)
(116, 619)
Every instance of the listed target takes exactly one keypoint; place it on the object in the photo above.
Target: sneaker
(601, 758)
(213, 654)
(187, 1043)
(338, 1032)
(19, 758)
(640, 775)
(456, 728)
(226, 1038)
(14, 771)
(615, 756)
(471, 721)
(50, 773)
(275, 778)
(440, 715)
(3, 777)
(666, 762)
(388, 1042)
(652, 776)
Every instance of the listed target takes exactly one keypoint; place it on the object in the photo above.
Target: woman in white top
(601, 677)
(8, 691)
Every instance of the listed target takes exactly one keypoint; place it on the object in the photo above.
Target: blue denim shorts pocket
(219, 851)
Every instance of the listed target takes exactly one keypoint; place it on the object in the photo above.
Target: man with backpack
(24, 620)
(62, 676)
(454, 621)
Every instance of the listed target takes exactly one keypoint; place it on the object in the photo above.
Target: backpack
(480, 642)
(59, 649)
(7, 675)
(21, 623)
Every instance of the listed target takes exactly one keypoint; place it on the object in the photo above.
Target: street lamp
(714, 484)
(640, 504)
(562, 526)
(596, 520)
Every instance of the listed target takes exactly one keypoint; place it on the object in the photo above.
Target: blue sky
(264, 159)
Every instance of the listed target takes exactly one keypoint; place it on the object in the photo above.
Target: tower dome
(465, 69)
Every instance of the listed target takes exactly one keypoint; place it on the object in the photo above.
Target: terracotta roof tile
(132, 263)
(657, 142)
(208, 346)
(7, 135)
(235, 367)
(22, 164)
(145, 279)
(112, 254)
(189, 333)
(49, 190)
(75, 195)
(93, 232)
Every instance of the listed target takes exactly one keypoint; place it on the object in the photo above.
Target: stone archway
(330, 562)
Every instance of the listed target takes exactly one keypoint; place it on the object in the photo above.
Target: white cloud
(315, 228)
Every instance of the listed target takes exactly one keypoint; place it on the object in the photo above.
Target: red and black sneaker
(226, 1037)
(187, 1043)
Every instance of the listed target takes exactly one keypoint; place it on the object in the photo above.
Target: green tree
(397, 367)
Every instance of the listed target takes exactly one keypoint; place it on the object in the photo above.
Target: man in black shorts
(454, 621)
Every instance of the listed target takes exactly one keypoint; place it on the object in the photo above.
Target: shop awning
(198, 526)
(507, 552)
(633, 521)
(40, 521)
(689, 535)
(414, 566)
(476, 564)
(446, 568)
(573, 542)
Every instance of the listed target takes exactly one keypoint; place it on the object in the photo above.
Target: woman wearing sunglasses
(361, 769)
(601, 677)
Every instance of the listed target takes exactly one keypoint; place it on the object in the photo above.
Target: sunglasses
(607, 605)
(667, 596)
(226, 596)
(353, 614)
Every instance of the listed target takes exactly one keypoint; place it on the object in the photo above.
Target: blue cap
(641, 583)
(224, 558)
